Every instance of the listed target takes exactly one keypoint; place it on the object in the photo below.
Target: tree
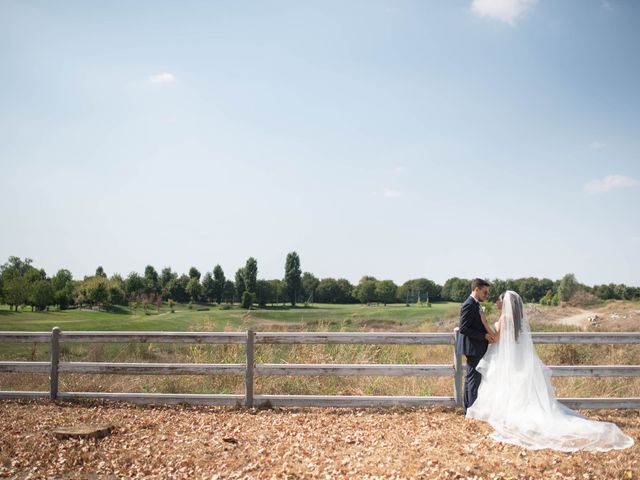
(409, 291)
(151, 281)
(133, 285)
(345, 291)
(292, 277)
(194, 273)
(251, 274)
(95, 291)
(15, 281)
(100, 272)
(62, 285)
(41, 294)
(264, 292)
(456, 289)
(385, 291)
(366, 289)
(567, 287)
(228, 292)
(218, 283)
(208, 284)
(240, 284)
(166, 277)
(178, 289)
(116, 291)
(247, 299)
(309, 285)
(194, 289)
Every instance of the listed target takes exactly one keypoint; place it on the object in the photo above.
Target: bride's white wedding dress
(516, 396)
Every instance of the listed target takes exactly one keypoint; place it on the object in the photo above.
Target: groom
(473, 338)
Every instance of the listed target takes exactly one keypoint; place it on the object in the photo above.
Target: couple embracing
(507, 384)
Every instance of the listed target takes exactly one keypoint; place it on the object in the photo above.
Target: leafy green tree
(328, 291)
(41, 294)
(567, 287)
(166, 276)
(100, 272)
(309, 285)
(178, 289)
(247, 299)
(385, 291)
(208, 288)
(456, 289)
(151, 281)
(229, 291)
(409, 291)
(133, 285)
(194, 289)
(292, 277)
(62, 285)
(218, 283)
(365, 291)
(251, 274)
(240, 284)
(194, 273)
(95, 291)
(116, 291)
(264, 292)
(277, 291)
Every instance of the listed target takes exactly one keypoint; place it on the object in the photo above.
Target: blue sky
(400, 139)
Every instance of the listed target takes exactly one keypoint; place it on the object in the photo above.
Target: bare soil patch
(295, 443)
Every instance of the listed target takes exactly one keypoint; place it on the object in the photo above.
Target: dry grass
(295, 443)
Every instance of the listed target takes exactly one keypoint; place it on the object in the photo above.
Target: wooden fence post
(457, 370)
(248, 377)
(55, 356)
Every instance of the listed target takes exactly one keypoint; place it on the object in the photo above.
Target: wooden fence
(455, 370)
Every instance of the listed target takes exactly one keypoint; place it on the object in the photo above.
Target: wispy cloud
(610, 182)
(504, 10)
(162, 78)
(597, 145)
(389, 193)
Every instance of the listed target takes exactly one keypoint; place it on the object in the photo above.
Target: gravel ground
(294, 443)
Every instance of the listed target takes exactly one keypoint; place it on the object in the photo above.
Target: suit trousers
(471, 381)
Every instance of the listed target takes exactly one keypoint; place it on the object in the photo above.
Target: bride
(516, 396)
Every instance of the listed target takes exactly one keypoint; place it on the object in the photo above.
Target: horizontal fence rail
(250, 368)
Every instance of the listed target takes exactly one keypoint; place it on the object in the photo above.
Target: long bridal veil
(516, 396)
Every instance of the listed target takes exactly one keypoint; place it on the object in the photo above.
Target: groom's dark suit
(471, 343)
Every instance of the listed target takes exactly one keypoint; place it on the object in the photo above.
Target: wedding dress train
(516, 396)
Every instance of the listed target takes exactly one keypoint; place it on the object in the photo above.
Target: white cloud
(598, 145)
(610, 182)
(504, 10)
(391, 193)
(162, 78)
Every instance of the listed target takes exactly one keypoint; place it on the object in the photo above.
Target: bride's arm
(489, 328)
(497, 326)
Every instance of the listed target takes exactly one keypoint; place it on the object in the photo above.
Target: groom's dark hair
(479, 283)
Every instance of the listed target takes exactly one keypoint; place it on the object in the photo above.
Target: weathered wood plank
(587, 337)
(157, 398)
(156, 337)
(354, 369)
(355, 338)
(153, 368)
(6, 395)
(25, 337)
(25, 367)
(595, 370)
(601, 402)
(350, 401)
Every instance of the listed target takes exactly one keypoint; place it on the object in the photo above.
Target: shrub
(247, 299)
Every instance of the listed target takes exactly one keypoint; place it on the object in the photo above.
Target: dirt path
(332, 443)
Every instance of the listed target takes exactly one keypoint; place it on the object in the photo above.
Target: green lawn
(316, 317)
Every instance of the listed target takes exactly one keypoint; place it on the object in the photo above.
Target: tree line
(23, 284)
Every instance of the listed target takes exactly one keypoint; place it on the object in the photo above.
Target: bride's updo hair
(517, 310)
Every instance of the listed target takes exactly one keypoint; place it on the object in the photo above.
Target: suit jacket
(471, 341)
